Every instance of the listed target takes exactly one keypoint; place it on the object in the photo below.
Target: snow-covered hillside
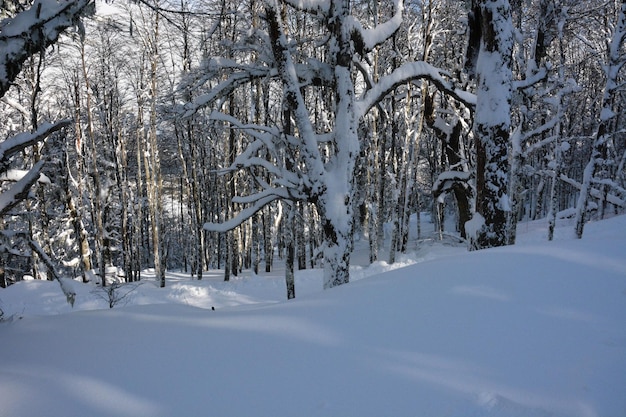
(538, 329)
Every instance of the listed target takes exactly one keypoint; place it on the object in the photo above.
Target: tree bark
(492, 122)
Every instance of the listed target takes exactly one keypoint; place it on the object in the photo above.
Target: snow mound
(531, 330)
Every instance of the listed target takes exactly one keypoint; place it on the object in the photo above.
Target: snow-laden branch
(313, 72)
(311, 6)
(594, 192)
(17, 106)
(253, 198)
(261, 132)
(15, 175)
(536, 77)
(243, 215)
(21, 141)
(69, 293)
(447, 179)
(263, 136)
(249, 161)
(19, 191)
(32, 31)
(293, 96)
(409, 72)
(24, 180)
(223, 89)
(367, 39)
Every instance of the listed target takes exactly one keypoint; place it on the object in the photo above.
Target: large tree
(490, 57)
(320, 160)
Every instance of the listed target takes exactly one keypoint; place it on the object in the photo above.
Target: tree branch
(32, 31)
(21, 141)
(410, 72)
(242, 216)
(19, 191)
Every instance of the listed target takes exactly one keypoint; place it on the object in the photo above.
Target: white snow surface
(536, 329)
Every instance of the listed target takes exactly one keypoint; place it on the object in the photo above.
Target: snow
(535, 329)
(492, 108)
(380, 33)
(473, 226)
(10, 196)
(606, 114)
(17, 174)
(406, 72)
(321, 6)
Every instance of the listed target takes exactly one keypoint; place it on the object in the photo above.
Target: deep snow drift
(538, 329)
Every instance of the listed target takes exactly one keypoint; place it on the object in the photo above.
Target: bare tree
(616, 60)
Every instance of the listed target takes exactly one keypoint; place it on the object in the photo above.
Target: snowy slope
(538, 329)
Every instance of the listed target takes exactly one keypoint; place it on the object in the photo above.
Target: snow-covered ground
(537, 329)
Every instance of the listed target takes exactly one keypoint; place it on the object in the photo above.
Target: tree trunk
(154, 181)
(291, 249)
(492, 122)
(607, 117)
(97, 209)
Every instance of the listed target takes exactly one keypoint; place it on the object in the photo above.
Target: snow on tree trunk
(331, 182)
(339, 190)
(290, 281)
(493, 121)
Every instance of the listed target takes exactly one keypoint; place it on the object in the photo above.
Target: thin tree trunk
(607, 117)
(97, 211)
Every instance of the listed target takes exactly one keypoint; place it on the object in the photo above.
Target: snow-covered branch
(367, 39)
(69, 293)
(223, 89)
(243, 215)
(261, 132)
(15, 175)
(247, 159)
(311, 6)
(19, 190)
(409, 72)
(536, 77)
(595, 193)
(21, 141)
(293, 97)
(23, 180)
(32, 31)
(447, 179)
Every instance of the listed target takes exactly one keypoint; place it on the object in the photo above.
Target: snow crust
(531, 330)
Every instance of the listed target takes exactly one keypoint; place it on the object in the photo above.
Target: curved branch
(367, 39)
(242, 216)
(410, 72)
(223, 89)
(21, 141)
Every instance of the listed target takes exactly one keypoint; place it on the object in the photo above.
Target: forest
(201, 134)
